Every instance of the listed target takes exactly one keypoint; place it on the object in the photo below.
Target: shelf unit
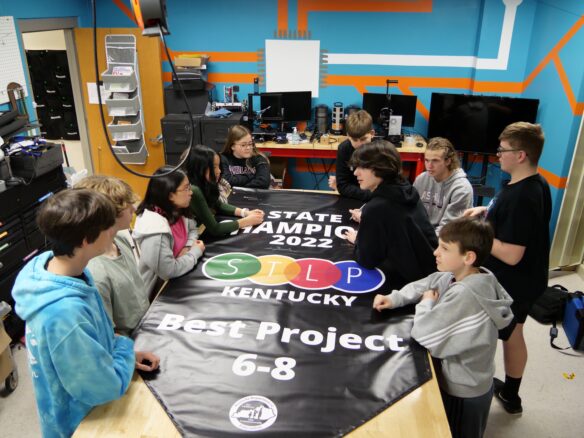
(122, 81)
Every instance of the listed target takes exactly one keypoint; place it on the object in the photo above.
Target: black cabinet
(209, 131)
(176, 131)
(20, 238)
(51, 83)
(214, 131)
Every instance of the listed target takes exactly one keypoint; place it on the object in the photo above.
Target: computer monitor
(294, 106)
(399, 104)
(271, 107)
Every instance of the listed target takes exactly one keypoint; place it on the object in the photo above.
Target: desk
(409, 154)
(419, 414)
(139, 415)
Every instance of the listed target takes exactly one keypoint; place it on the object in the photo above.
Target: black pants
(467, 417)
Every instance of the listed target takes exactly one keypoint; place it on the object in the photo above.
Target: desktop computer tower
(175, 134)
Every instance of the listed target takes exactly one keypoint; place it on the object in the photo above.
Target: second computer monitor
(287, 106)
(400, 105)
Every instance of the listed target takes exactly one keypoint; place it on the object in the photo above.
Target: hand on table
(351, 235)
(142, 356)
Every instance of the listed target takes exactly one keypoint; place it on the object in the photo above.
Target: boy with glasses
(520, 215)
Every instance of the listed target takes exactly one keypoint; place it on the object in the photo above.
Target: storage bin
(123, 107)
(127, 131)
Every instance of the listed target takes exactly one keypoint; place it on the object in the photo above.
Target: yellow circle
(275, 269)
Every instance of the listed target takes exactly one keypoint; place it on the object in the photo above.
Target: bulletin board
(11, 69)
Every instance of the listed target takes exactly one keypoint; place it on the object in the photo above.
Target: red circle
(316, 274)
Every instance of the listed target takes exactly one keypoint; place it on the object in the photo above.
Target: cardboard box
(190, 61)
(6, 364)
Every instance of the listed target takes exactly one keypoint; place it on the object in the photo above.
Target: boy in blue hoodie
(459, 313)
(75, 360)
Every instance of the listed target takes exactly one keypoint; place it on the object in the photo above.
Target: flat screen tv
(473, 123)
(400, 105)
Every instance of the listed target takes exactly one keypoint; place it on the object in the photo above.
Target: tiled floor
(552, 401)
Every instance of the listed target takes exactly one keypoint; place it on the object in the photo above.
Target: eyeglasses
(246, 145)
(500, 150)
(185, 189)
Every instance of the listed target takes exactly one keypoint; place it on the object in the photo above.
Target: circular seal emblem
(253, 413)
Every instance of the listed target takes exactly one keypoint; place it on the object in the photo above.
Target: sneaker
(512, 406)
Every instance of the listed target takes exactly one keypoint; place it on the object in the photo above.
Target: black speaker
(174, 102)
(321, 119)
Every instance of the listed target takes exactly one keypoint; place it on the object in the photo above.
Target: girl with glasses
(241, 164)
(165, 229)
(204, 172)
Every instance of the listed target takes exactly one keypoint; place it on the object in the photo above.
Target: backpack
(557, 304)
(549, 307)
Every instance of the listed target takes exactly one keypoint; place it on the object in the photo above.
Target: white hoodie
(446, 200)
(154, 237)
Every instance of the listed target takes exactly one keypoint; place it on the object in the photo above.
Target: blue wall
(444, 28)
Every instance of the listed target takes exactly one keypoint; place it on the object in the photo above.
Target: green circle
(232, 266)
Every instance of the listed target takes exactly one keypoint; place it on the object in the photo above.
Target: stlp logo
(253, 413)
(310, 273)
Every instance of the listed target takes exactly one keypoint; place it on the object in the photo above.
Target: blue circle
(356, 279)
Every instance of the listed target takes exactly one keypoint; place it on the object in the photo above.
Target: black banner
(273, 332)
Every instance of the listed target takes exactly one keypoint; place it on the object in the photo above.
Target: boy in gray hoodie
(444, 188)
(459, 313)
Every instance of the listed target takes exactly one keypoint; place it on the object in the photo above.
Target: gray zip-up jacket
(460, 328)
(153, 236)
(446, 200)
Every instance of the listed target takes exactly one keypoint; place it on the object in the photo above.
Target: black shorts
(521, 307)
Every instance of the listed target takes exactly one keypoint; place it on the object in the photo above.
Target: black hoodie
(395, 235)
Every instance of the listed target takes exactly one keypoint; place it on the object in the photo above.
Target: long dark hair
(200, 160)
(158, 193)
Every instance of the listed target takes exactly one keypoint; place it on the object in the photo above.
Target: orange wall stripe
(130, 14)
(306, 6)
(577, 107)
(501, 87)
(559, 182)
(555, 50)
(244, 78)
(217, 56)
(282, 16)
(419, 105)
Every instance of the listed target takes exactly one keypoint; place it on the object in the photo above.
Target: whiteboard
(293, 65)
(11, 62)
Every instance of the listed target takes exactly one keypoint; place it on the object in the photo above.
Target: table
(408, 154)
(419, 414)
(139, 415)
